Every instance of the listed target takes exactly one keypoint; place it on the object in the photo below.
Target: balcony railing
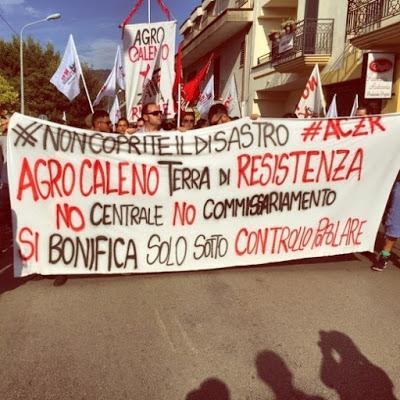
(367, 15)
(222, 5)
(308, 37)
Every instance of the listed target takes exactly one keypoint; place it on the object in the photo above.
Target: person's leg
(383, 258)
(392, 230)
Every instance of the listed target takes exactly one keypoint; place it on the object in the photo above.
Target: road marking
(164, 330)
(186, 337)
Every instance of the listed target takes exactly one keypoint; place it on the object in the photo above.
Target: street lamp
(21, 54)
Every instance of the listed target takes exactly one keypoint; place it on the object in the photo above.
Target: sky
(94, 24)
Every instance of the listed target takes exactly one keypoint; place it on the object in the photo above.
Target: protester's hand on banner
(254, 116)
(131, 130)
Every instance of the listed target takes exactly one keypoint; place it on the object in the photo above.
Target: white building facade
(271, 46)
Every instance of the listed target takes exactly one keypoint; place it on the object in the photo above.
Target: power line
(8, 25)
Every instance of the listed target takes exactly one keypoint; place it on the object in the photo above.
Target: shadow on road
(273, 371)
(343, 369)
(8, 282)
(346, 370)
(211, 389)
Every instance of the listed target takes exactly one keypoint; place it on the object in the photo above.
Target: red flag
(191, 90)
(164, 9)
(130, 15)
(178, 76)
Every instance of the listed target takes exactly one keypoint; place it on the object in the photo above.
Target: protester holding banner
(361, 111)
(122, 125)
(140, 123)
(188, 121)
(101, 121)
(3, 148)
(218, 114)
(201, 123)
(392, 228)
(152, 116)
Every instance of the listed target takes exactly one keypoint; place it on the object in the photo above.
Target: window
(242, 54)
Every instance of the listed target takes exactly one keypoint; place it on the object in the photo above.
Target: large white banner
(242, 193)
(149, 54)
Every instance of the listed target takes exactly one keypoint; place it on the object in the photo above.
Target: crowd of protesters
(152, 121)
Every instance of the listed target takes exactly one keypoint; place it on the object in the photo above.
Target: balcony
(308, 43)
(222, 5)
(215, 30)
(374, 24)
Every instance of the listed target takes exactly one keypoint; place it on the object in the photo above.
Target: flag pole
(83, 77)
(148, 10)
(87, 93)
(178, 122)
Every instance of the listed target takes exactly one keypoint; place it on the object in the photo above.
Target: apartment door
(310, 25)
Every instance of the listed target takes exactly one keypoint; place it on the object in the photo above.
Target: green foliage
(8, 96)
(41, 97)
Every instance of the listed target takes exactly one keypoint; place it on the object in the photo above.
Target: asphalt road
(320, 329)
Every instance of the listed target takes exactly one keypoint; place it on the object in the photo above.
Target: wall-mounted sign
(379, 75)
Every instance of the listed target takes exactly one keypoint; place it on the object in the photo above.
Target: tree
(41, 97)
(8, 95)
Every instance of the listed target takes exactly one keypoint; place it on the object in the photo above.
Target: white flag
(206, 98)
(66, 78)
(115, 112)
(332, 111)
(230, 98)
(108, 89)
(115, 77)
(312, 102)
(119, 68)
(355, 106)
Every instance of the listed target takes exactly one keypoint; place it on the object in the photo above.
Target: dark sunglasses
(155, 113)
